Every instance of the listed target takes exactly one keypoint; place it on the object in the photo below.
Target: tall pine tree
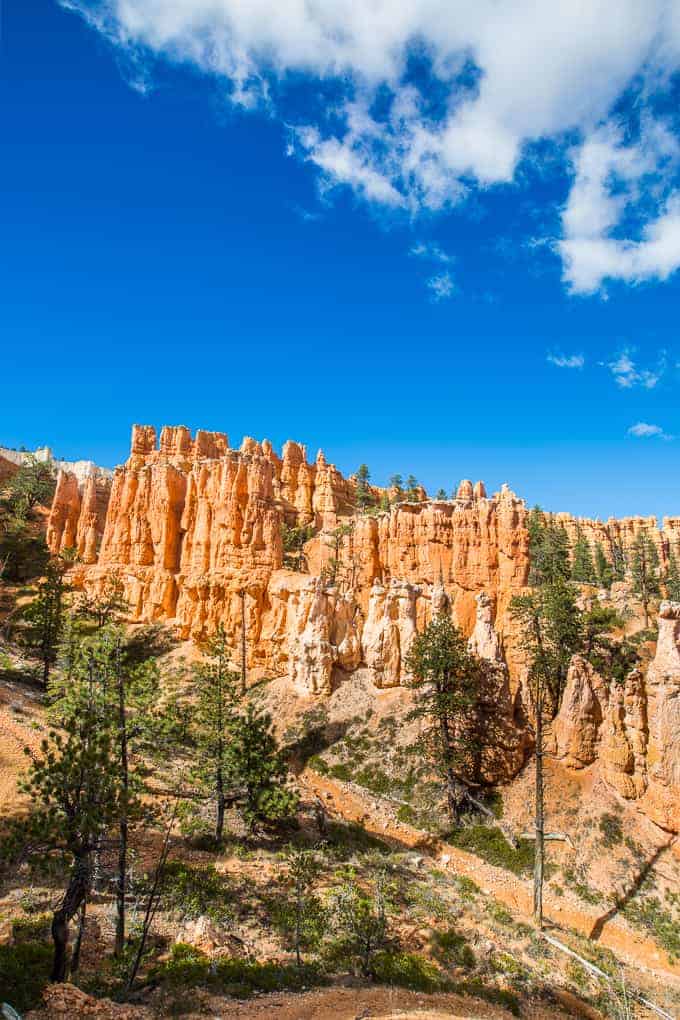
(644, 568)
(582, 567)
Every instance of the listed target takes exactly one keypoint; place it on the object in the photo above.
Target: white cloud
(431, 252)
(643, 430)
(506, 75)
(627, 374)
(441, 286)
(612, 179)
(566, 360)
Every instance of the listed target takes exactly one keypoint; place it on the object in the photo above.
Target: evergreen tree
(448, 679)
(612, 658)
(672, 579)
(548, 549)
(305, 914)
(644, 568)
(23, 550)
(412, 486)
(32, 485)
(333, 569)
(294, 539)
(619, 562)
(582, 567)
(603, 568)
(107, 604)
(364, 497)
(76, 795)
(441, 494)
(396, 484)
(385, 501)
(127, 695)
(218, 693)
(45, 617)
(360, 917)
(257, 769)
(552, 631)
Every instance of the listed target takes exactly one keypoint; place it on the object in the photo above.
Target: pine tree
(294, 539)
(128, 697)
(305, 917)
(396, 484)
(552, 631)
(412, 486)
(74, 786)
(360, 917)
(218, 693)
(105, 605)
(619, 561)
(582, 568)
(447, 678)
(603, 568)
(46, 616)
(672, 579)
(644, 568)
(31, 485)
(441, 494)
(548, 549)
(364, 497)
(257, 769)
(333, 568)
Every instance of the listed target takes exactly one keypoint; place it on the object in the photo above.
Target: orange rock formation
(194, 527)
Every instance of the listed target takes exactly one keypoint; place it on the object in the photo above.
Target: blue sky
(425, 262)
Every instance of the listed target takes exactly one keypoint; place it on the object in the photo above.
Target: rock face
(389, 631)
(662, 797)
(194, 529)
(324, 634)
(632, 729)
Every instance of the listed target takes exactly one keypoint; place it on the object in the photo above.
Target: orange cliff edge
(189, 524)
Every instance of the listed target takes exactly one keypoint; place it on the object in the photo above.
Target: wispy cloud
(432, 252)
(306, 215)
(441, 286)
(566, 360)
(627, 374)
(643, 430)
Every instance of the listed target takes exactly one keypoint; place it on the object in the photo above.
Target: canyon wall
(194, 530)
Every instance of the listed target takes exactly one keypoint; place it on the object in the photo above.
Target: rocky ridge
(194, 530)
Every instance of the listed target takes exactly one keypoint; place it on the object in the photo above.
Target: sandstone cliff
(194, 530)
(632, 728)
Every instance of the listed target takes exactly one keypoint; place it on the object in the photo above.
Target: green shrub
(489, 843)
(24, 973)
(453, 949)
(189, 967)
(340, 771)
(467, 888)
(497, 912)
(659, 922)
(318, 764)
(32, 929)
(243, 978)
(576, 879)
(374, 779)
(611, 829)
(406, 814)
(192, 892)
(408, 970)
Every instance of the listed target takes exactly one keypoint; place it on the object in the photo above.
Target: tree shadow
(622, 901)
(312, 742)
